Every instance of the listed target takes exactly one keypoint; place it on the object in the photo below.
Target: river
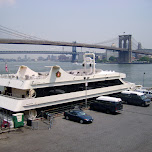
(134, 72)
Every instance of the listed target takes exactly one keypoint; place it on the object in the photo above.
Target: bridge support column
(74, 53)
(125, 42)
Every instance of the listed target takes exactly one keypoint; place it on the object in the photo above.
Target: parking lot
(129, 131)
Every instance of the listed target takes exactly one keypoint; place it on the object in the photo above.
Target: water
(134, 72)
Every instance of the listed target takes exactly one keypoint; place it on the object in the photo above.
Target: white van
(135, 98)
(146, 92)
(107, 104)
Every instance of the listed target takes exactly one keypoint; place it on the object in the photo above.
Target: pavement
(130, 130)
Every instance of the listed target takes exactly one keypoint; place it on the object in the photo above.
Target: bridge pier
(125, 42)
(74, 50)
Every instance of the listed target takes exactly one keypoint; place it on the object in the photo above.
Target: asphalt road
(129, 131)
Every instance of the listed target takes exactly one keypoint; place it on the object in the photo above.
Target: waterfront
(134, 72)
(128, 131)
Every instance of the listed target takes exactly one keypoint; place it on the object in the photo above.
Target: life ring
(32, 93)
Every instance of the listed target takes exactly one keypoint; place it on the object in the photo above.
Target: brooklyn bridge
(126, 45)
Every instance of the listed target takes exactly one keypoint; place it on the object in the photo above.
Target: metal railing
(59, 110)
(14, 76)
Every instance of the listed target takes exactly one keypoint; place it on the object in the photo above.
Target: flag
(6, 67)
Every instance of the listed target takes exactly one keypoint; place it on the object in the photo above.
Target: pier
(128, 131)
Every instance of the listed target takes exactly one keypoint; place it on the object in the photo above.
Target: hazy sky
(87, 21)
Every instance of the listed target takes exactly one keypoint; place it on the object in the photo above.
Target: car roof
(141, 90)
(110, 99)
(133, 92)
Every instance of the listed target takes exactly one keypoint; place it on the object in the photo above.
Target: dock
(130, 130)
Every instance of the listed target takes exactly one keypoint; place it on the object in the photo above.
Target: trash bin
(18, 120)
(29, 122)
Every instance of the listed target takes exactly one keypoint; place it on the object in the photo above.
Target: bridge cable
(107, 41)
(16, 33)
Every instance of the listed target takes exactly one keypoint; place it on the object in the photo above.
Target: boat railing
(26, 77)
(83, 72)
(146, 88)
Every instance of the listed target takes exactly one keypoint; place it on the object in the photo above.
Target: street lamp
(143, 78)
(86, 85)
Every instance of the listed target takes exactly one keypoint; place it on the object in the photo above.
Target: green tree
(101, 60)
(104, 60)
(144, 58)
(112, 59)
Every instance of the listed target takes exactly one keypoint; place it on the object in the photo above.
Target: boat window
(27, 93)
(48, 91)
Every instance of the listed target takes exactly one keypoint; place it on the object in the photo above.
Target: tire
(107, 111)
(143, 105)
(81, 121)
(91, 108)
(66, 117)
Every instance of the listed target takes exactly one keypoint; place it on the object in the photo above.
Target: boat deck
(82, 72)
(26, 77)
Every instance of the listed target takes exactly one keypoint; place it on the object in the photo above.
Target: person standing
(51, 121)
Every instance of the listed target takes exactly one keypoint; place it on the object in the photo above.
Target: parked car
(135, 98)
(107, 104)
(78, 115)
(146, 92)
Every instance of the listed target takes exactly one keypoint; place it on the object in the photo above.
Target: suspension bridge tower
(126, 43)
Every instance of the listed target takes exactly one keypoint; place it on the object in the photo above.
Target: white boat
(28, 90)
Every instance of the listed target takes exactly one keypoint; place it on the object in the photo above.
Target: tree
(144, 58)
(112, 59)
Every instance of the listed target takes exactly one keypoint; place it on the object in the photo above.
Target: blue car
(78, 115)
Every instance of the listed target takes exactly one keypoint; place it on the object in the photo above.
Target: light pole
(86, 85)
(143, 78)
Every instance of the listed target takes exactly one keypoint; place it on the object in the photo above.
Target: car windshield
(81, 113)
(143, 97)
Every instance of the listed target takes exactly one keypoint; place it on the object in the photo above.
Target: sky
(84, 21)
